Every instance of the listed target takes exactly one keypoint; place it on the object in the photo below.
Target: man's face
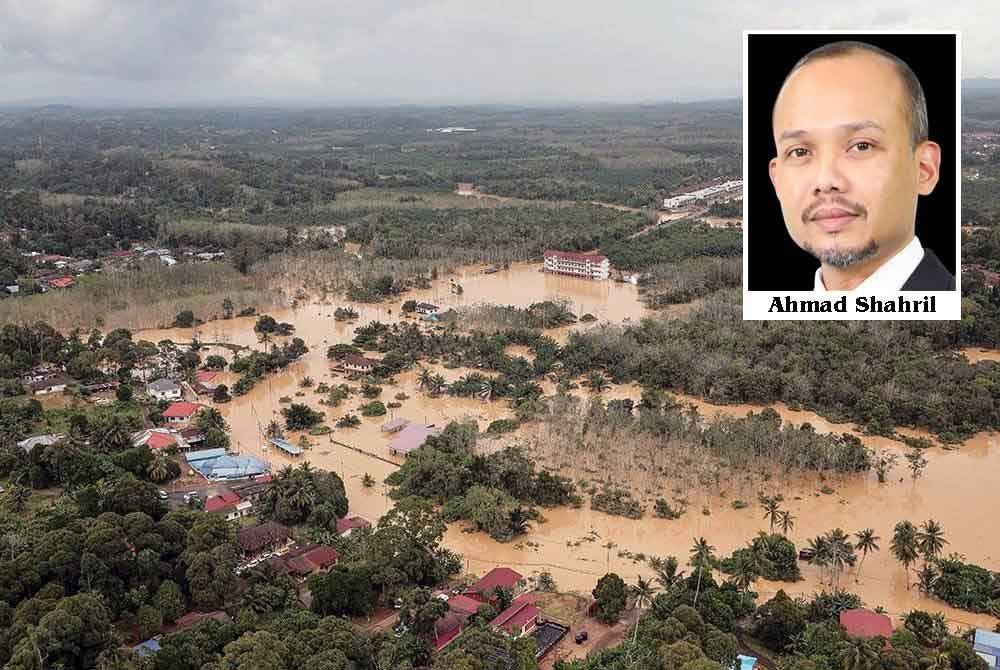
(845, 172)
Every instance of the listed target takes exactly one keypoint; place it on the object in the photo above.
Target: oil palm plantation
(867, 542)
(702, 559)
(905, 546)
(642, 593)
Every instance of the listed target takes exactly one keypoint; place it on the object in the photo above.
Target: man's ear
(771, 168)
(928, 166)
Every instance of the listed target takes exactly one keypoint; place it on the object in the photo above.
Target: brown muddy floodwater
(958, 488)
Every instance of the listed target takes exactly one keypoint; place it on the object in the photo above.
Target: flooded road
(957, 488)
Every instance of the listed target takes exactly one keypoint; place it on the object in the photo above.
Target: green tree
(610, 596)
(184, 319)
(787, 521)
(772, 510)
(859, 654)
(702, 559)
(642, 593)
(905, 546)
(930, 539)
(169, 601)
(867, 542)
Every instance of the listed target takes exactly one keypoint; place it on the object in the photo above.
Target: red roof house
(349, 523)
(59, 282)
(221, 502)
(179, 412)
(205, 376)
(518, 619)
(574, 256)
(865, 623)
(160, 441)
(502, 577)
(322, 557)
(464, 604)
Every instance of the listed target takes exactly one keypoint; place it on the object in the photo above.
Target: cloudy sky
(425, 51)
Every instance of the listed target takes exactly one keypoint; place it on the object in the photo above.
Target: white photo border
(756, 304)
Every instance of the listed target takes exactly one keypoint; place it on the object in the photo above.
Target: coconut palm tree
(930, 539)
(859, 654)
(772, 510)
(487, 388)
(642, 593)
(927, 576)
(787, 521)
(746, 570)
(438, 384)
(159, 468)
(702, 558)
(867, 542)
(665, 569)
(820, 547)
(905, 546)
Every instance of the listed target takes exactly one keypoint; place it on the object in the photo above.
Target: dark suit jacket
(930, 275)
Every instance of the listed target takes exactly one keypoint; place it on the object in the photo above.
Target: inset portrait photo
(851, 157)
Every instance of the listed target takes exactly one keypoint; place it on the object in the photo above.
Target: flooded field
(957, 489)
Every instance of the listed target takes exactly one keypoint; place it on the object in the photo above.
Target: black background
(775, 262)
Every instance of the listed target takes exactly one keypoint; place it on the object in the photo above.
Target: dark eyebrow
(847, 127)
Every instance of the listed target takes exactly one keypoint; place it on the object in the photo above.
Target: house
(56, 384)
(410, 438)
(59, 282)
(164, 389)
(205, 376)
(986, 644)
(866, 624)
(356, 363)
(591, 266)
(303, 562)
(38, 441)
(40, 372)
(252, 490)
(268, 537)
(350, 523)
(192, 435)
(427, 308)
(503, 577)
(447, 628)
(286, 446)
(519, 619)
(194, 618)
(159, 439)
(395, 425)
(123, 253)
(227, 504)
(465, 188)
(180, 412)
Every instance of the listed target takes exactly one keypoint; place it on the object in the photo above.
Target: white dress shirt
(888, 277)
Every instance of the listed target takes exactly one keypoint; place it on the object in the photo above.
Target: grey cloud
(426, 50)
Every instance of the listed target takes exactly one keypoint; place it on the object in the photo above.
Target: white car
(163, 495)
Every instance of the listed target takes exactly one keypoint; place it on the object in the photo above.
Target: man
(850, 128)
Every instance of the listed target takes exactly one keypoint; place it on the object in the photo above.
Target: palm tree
(930, 539)
(771, 509)
(438, 383)
(597, 382)
(665, 569)
(841, 552)
(642, 597)
(939, 661)
(702, 558)
(820, 547)
(487, 388)
(746, 570)
(927, 576)
(518, 521)
(787, 521)
(159, 468)
(273, 430)
(859, 654)
(425, 378)
(867, 542)
(905, 547)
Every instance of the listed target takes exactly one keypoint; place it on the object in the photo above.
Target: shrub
(374, 408)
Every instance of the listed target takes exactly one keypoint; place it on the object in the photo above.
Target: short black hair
(917, 102)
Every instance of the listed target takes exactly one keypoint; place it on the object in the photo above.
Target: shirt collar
(888, 277)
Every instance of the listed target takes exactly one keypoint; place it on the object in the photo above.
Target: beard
(838, 257)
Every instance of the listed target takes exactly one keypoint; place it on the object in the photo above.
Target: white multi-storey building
(701, 194)
(591, 266)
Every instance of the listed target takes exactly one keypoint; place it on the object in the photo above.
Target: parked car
(163, 495)
(581, 637)
(807, 554)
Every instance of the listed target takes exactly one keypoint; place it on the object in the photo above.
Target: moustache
(852, 208)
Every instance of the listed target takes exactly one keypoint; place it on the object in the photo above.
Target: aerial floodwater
(578, 545)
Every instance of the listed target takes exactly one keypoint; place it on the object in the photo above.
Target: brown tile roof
(256, 538)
